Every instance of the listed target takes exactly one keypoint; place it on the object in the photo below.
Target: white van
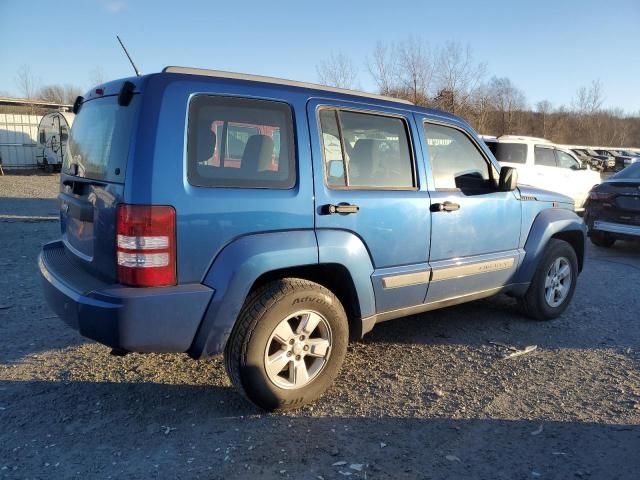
(53, 134)
(543, 164)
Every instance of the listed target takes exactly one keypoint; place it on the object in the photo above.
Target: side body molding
(549, 222)
(234, 271)
(346, 249)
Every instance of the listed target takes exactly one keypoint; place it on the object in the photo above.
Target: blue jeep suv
(272, 220)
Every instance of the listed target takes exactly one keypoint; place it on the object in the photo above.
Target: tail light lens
(600, 196)
(146, 245)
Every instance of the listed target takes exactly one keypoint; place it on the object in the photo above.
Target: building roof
(30, 102)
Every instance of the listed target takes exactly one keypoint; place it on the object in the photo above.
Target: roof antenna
(135, 69)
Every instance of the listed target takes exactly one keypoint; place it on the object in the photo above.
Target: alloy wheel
(298, 349)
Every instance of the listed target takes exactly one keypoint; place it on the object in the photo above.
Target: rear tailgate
(627, 202)
(92, 180)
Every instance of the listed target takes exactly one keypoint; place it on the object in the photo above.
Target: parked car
(630, 153)
(585, 159)
(542, 164)
(600, 162)
(622, 160)
(613, 208)
(343, 209)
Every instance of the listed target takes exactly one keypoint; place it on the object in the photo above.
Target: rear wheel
(553, 283)
(601, 239)
(288, 344)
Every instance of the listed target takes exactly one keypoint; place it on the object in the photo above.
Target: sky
(548, 48)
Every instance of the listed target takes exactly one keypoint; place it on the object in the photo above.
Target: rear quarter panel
(210, 218)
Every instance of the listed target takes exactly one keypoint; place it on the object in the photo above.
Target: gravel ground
(423, 397)
(30, 194)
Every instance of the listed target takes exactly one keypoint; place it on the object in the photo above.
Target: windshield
(592, 152)
(99, 140)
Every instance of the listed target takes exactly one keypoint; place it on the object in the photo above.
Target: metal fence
(18, 140)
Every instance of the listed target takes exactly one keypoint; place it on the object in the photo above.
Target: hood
(544, 195)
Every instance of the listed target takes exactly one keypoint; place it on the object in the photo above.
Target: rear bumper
(619, 228)
(134, 319)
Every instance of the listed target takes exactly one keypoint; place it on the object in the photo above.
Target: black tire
(534, 303)
(262, 312)
(601, 239)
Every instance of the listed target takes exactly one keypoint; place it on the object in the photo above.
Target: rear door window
(366, 151)
(545, 157)
(237, 142)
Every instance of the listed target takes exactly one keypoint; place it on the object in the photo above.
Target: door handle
(445, 207)
(343, 208)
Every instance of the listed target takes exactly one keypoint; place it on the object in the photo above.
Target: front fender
(547, 224)
(234, 271)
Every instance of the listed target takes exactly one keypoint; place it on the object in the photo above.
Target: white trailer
(53, 135)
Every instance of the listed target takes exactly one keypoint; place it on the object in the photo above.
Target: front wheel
(554, 282)
(288, 344)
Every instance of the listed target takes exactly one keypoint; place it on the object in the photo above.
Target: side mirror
(508, 179)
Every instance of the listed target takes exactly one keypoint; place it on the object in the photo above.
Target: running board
(369, 322)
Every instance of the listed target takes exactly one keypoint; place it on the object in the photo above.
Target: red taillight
(600, 196)
(146, 245)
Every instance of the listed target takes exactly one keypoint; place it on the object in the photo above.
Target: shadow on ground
(180, 431)
(29, 207)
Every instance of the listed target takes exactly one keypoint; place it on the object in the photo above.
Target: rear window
(99, 139)
(510, 152)
(632, 172)
(236, 142)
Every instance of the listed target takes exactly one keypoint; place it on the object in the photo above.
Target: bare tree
(544, 108)
(457, 76)
(404, 70)
(61, 94)
(482, 105)
(415, 70)
(97, 76)
(26, 82)
(338, 71)
(382, 68)
(509, 100)
(589, 99)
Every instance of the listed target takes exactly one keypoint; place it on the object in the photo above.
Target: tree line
(32, 88)
(449, 78)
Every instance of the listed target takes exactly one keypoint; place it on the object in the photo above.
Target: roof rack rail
(279, 81)
(524, 137)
